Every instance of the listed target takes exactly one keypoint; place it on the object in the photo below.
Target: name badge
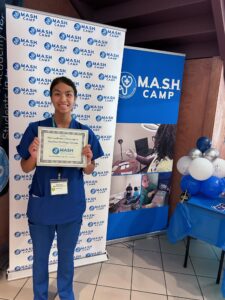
(59, 187)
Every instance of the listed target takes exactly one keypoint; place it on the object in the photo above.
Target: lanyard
(55, 125)
(59, 169)
(53, 122)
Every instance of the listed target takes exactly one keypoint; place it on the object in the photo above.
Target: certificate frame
(61, 147)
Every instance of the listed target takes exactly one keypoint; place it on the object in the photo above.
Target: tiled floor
(147, 269)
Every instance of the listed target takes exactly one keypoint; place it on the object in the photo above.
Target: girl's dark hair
(63, 80)
(165, 140)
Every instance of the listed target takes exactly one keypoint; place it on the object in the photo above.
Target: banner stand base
(13, 275)
(134, 237)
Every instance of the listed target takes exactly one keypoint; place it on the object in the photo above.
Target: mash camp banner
(4, 165)
(40, 48)
(150, 89)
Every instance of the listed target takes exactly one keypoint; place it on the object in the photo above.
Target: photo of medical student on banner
(150, 149)
(141, 174)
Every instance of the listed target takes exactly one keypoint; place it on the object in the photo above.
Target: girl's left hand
(88, 153)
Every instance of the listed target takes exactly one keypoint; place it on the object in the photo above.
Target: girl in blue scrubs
(62, 213)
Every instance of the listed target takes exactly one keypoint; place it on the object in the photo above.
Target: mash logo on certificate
(61, 147)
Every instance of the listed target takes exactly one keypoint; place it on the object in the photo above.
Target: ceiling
(193, 27)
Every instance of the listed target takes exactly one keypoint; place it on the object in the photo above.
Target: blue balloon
(189, 184)
(212, 187)
(222, 184)
(203, 143)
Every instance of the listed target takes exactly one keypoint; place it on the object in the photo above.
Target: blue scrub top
(43, 208)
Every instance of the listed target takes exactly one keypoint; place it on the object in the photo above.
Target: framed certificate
(61, 147)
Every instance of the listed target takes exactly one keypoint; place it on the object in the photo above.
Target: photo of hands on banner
(142, 166)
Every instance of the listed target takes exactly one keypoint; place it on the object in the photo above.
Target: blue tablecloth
(199, 218)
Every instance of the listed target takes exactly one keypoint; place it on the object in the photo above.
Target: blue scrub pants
(42, 238)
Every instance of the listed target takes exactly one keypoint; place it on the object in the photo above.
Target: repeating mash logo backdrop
(149, 96)
(40, 48)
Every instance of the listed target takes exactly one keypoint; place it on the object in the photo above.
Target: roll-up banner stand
(41, 47)
(149, 96)
(4, 164)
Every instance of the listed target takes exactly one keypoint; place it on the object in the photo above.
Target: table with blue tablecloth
(202, 218)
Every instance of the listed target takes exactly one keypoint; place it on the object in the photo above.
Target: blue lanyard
(55, 125)
(59, 169)
(53, 122)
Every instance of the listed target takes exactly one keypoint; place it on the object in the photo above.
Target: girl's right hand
(33, 148)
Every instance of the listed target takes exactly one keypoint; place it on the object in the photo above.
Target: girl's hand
(88, 153)
(33, 148)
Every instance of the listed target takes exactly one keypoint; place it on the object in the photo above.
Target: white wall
(218, 136)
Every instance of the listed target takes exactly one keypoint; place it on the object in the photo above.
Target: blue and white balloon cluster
(203, 170)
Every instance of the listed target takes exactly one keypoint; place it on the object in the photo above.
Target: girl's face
(63, 98)
(145, 181)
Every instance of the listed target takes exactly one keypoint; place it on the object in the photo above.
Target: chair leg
(220, 267)
(187, 251)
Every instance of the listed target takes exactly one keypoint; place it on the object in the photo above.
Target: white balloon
(183, 164)
(201, 168)
(219, 167)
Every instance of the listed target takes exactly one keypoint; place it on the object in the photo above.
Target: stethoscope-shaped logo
(48, 21)
(128, 85)
(55, 150)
